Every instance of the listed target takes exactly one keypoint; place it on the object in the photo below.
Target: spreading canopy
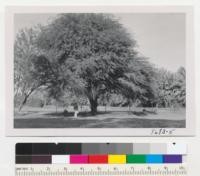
(91, 54)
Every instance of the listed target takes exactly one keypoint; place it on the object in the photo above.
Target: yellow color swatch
(116, 159)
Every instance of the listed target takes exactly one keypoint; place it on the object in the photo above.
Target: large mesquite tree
(90, 54)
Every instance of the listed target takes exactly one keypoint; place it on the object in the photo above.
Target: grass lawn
(121, 118)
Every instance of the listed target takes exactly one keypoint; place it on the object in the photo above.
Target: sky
(160, 37)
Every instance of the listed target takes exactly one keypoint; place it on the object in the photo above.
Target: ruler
(101, 170)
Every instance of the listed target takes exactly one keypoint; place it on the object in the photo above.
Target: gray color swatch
(141, 148)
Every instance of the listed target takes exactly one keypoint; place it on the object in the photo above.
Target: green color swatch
(135, 158)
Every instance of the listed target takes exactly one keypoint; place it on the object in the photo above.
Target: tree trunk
(93, 106)
(23, 103)
(56, 107)
(25, 99)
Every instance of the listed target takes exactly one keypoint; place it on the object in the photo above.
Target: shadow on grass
(89, 114)
(144, 112)
(25, 113)
(71, 114)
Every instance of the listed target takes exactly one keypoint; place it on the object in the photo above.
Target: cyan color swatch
(154, 159)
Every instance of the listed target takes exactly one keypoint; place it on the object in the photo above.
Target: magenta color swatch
(78, 159)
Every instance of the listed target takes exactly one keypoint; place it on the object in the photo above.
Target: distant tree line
(89, 59)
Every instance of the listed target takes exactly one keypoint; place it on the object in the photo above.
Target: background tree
(24, 49)
(179, 86)
(104, 99)
(172, 88)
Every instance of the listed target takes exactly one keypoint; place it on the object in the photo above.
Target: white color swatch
(60, 159)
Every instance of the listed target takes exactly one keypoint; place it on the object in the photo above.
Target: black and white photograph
(99, 70)
(90, 70)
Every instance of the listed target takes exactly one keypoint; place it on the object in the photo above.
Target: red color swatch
(98, 159)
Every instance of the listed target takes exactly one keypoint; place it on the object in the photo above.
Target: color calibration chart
(100, 159)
